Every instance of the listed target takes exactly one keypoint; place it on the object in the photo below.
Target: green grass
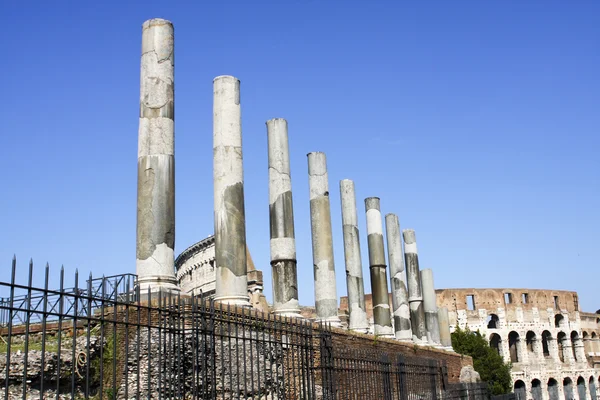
(51, 346)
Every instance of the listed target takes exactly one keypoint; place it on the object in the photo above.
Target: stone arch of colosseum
(550, 342)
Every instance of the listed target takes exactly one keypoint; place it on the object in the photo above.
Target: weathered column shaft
(281, 217)
(156, 159)
(400, 307)
(430, 306)
(444, 322)
(322, 243)
(413, 280)
(377, 266)
(228, 179)
(354, 276)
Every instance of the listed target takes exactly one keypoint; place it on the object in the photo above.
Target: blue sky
(476, 122)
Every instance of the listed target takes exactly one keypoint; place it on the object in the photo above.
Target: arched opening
(560, 339)
(592, 384)
(574, 344)
(581, 389)
(536, 389)
(546, 338)
(513, 340)
(559, 321)
(530, 340)
(568, 389)
(493, 321)
(552, 389)
(594, 343)
(495, 341)
(520, 390)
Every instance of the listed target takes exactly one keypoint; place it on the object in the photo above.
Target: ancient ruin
(228, 179)
(186, 327)
(553, 346)
(156, 159)
(357, 320)
(377, 267)
(281, 217)
(326, 302)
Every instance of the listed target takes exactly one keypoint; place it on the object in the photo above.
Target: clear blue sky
(476, 122)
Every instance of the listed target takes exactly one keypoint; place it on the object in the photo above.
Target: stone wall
(357, 341)
(354, 340)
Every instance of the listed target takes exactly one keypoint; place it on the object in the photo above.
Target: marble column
(281, 216)
(430, 306)
(156, 160)
(413, 280)
(377, 267)
(228, 180)
(400, 307)
(322, 243)
(444, 321)
(354, 276)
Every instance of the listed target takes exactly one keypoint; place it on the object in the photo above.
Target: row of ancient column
(415, 315)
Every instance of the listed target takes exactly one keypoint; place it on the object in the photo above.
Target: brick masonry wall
(348, 339)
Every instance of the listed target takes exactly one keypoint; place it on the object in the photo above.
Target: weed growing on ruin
(486, 360)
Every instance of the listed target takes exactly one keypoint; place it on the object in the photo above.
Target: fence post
(433, 371)
(444, 372)
(402, 389)
(387, 383)
(327, 364)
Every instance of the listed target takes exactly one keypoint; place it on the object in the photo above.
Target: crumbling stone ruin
(553, 346)
(195, 273)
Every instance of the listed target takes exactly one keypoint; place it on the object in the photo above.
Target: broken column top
(156, 22)
(349, 214)
(372, 203)
(317, 171)
(157, 36)
(226, 78)
(410, 241)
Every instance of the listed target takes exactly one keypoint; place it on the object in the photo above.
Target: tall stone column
(444, 321)
(354, 276)
(430, 306)
(400, 307)
(228, 180)
(156, 160)
(413, 280)
(322, 244)
(377, 267)
(281, 216)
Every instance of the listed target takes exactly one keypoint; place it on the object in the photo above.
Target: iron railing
(109, 340)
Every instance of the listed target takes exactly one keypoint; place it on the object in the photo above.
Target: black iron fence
(109, 340)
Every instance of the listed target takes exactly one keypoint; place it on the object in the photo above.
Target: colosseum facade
(554, 348)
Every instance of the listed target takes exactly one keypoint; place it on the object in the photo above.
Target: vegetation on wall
(486, 360)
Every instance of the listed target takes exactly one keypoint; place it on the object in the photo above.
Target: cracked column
(322, 244)
(354, 276)
(377, 267)
(400, 307)
(156, 160)
(444, 322)
(430, 306)
(228, 179)
(413, 280)
(281, 216)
